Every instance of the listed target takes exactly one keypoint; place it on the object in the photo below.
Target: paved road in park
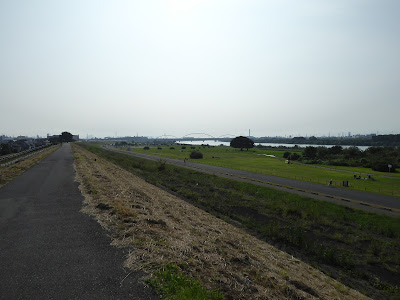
(49, 249)
(352, 198)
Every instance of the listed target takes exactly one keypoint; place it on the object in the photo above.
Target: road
(352, 198)
(49, 249)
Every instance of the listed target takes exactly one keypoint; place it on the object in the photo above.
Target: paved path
(357, 199)
(49, 249)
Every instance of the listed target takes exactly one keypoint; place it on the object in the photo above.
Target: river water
(219, 143)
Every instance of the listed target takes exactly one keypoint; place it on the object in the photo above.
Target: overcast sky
(175, 67)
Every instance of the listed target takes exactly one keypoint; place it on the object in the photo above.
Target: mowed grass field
(256, 160)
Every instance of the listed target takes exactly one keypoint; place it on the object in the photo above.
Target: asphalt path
(352, 198)
(49, 249)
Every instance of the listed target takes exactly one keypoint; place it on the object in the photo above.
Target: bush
(146, 148)
(310, 152)
(159, 148)
(183, 147)
(192, 147)
(196, 155)
(338, 163)
(294, 156)
(172, 148)
(161, 166)
(382, 166)
(286, 154)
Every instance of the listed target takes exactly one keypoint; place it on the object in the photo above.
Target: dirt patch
(159, 228)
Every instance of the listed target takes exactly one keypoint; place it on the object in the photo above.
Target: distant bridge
(195, 136)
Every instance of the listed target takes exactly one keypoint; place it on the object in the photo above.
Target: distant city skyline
(198, 134)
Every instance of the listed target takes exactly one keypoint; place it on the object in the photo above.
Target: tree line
(378, 140)
(383, 159)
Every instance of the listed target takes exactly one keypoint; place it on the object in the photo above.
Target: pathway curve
(352, 198)
(49, 249)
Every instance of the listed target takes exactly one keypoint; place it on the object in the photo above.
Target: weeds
(171, 283)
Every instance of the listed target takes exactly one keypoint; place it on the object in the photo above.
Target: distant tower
(249, 133)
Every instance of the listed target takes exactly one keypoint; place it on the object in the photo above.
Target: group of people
(359, 177)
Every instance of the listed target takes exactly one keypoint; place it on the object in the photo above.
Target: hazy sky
(154, 67)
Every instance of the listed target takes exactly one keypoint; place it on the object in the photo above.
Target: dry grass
(159, 228)
(8, 173)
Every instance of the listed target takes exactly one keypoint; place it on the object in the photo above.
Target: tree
(5, 149)
(382, 165)
(310, 152)
(121, 144)
(322, 152)
(336, 149)
(66, 137)
(299, 140)
(313, 138)
(196, 155)
(352, 152)
(294, 156)
(242, 142)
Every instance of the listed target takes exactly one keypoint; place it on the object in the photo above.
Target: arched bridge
(195, 136)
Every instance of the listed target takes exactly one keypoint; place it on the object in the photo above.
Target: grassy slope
(255, 161)
(159, 229)
(356, 247)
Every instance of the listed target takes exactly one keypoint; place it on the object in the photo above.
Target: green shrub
(162, 164)
(146, 148)
(196, 155)
(294, 156)
(382, 166)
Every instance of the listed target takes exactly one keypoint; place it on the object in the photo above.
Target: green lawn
(255, 160)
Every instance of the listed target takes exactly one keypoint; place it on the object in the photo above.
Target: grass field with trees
(273, 162)
(357, 248)
(375, 158)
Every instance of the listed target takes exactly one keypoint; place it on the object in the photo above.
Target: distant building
(75, 137)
